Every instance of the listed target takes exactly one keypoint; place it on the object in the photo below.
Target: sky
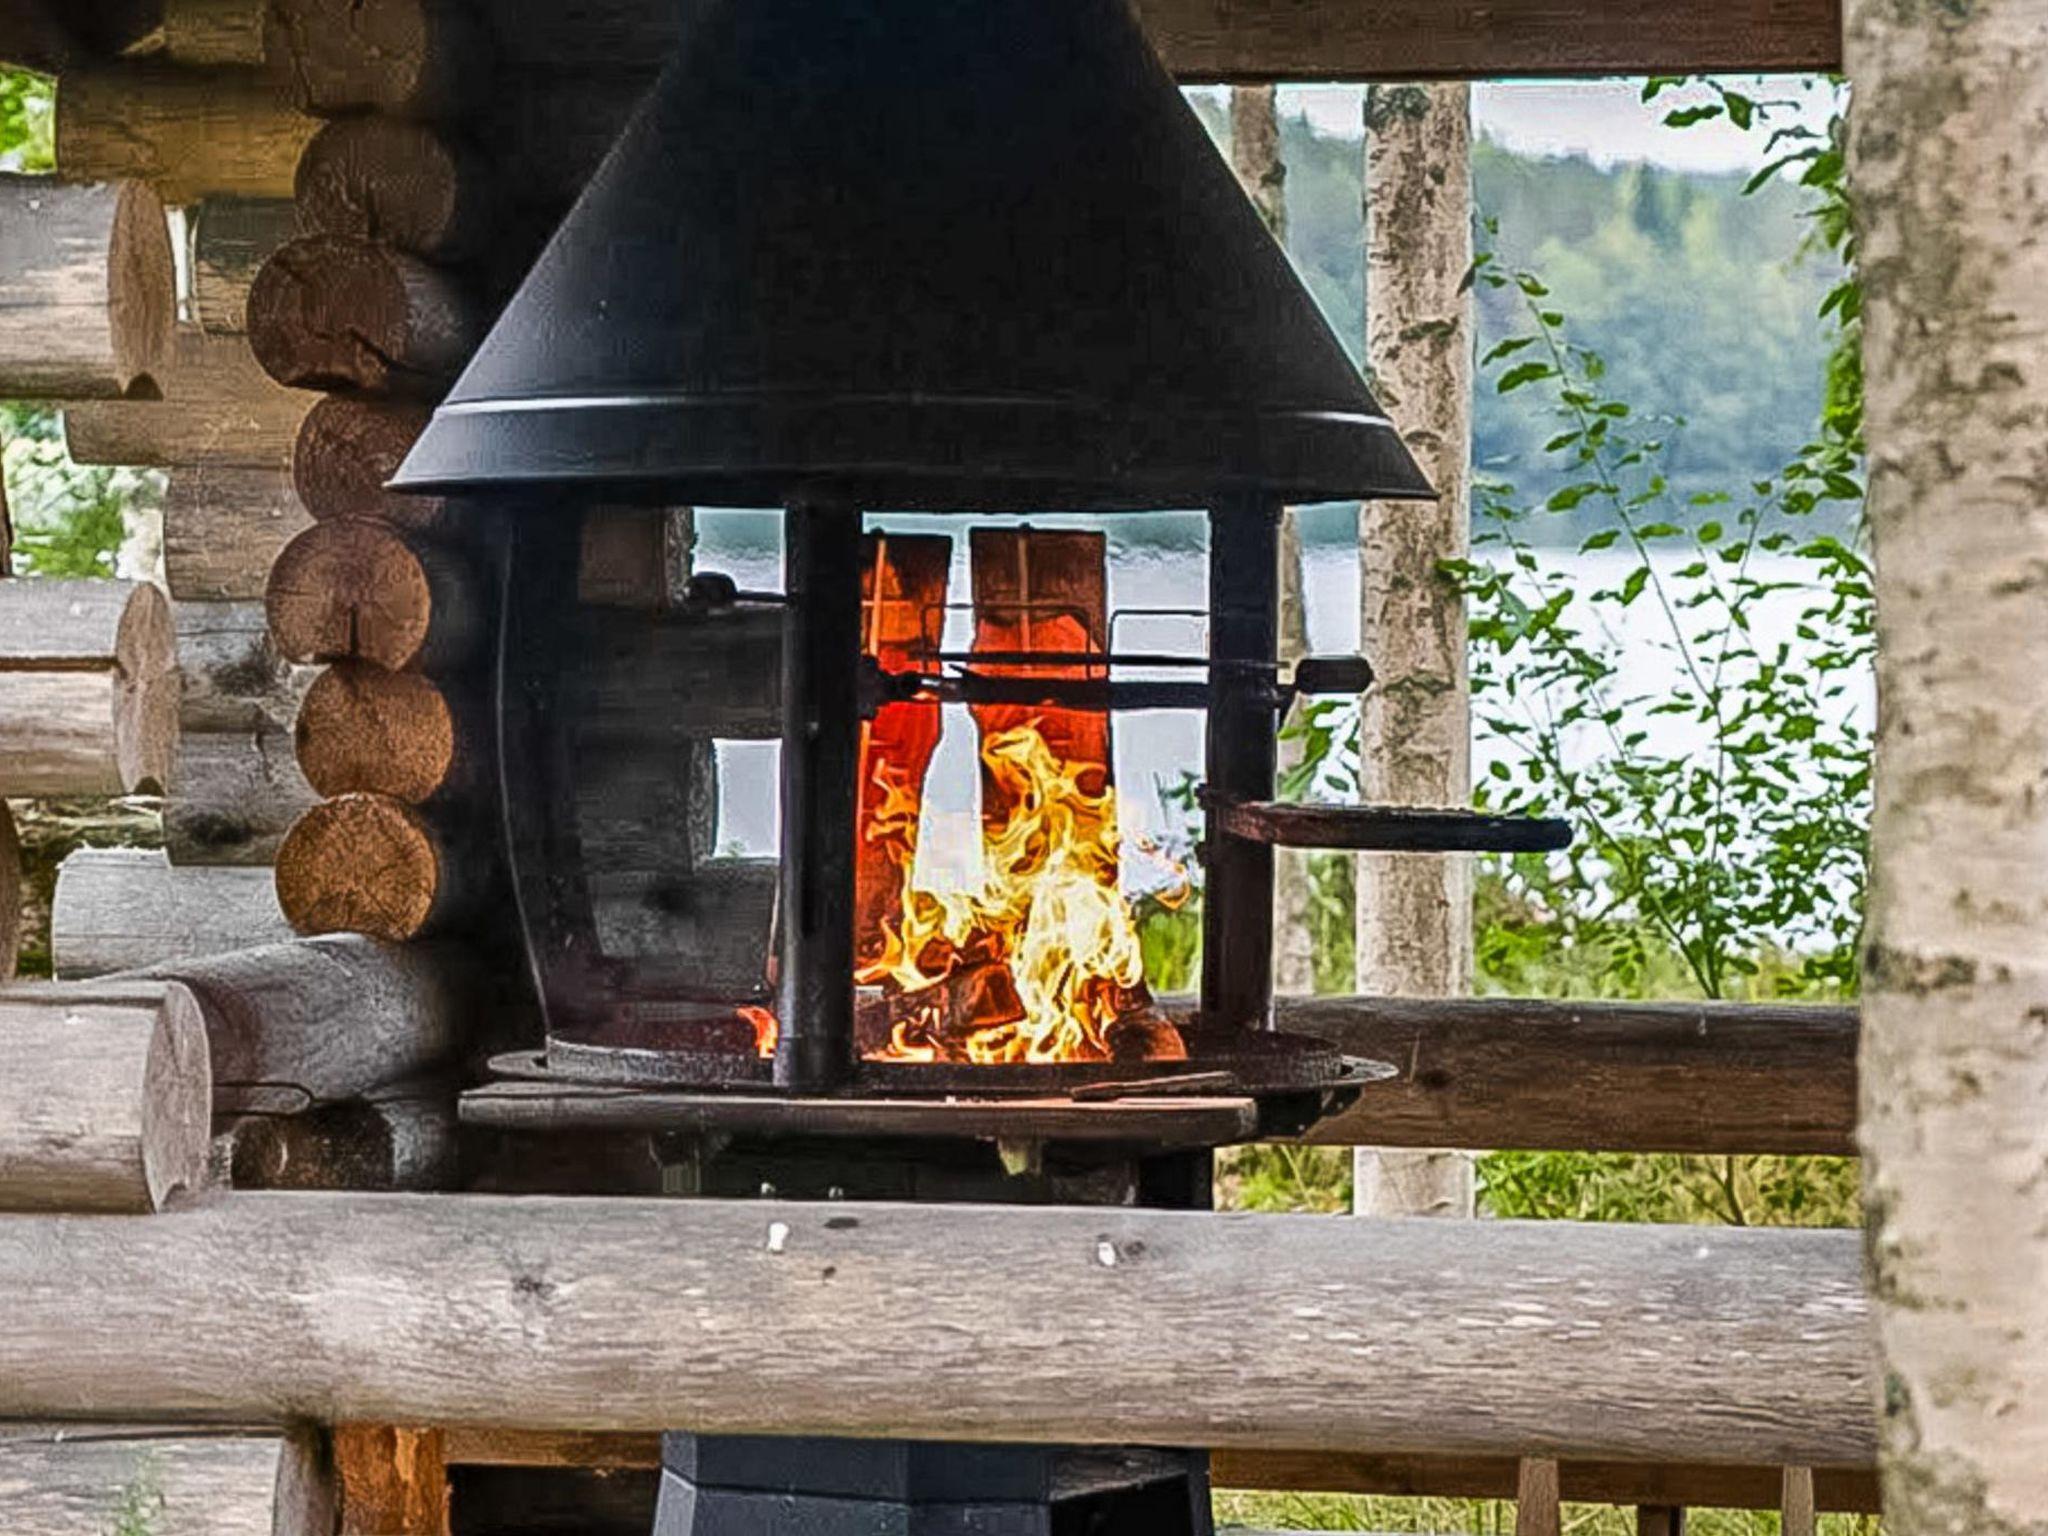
(1607, 121)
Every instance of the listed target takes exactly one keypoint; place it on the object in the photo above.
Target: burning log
(362, 728)
(118, 909)
(403, 58)
(218, 407)
(357, 591)
(231, 239)
(330, 313)
(399, 184)
(103, 1106)
(190, 133)
(373, 865)
(348, 448)
(89, 705)
(223, 526)
(62, 1479)
(88, 289)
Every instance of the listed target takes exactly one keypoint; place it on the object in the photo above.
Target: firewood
(10, 893)
(354, 590)
(233, 677)
(181, 1480)
(88, 289)
(406, 1140)
(103, 1106)
(425, 59)
(231, 238)
(372, 865)
(118, 909)
(190, 133)
(89, 700)
(349, 447)
(238, 793)
(223, 525)
(362, 728)
(399, 184)
(214, 32)
(332, 313)
(218, 407)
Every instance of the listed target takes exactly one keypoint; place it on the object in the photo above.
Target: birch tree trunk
(1262, 171)
(1414, 918)
(1950, 108)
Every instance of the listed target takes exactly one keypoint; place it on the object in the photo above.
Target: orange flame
(767, 1029)
(1048, 909)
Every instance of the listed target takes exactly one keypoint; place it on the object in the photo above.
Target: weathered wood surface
(190, 133)
(237, 794)
(400, 184)
(349, 448)
(1251, 41)
(329, 1018)
(394, 1480)
(214, 32)
(332, 313)
(353, 590)
(88, 688)
(103, 1107)
(374, 865)
(389, 1143)
(1736, 1346)
(1670, 1077)
(223, 526)
(1796, 1502)
(362, 728)
(233, 677)
(88, 289)
(1537, 1511)
(231, 238)
(404, 58)
(165, 1480)
(10, 893)
(218, 407)
(118, 909)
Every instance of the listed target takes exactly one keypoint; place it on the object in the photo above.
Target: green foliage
(68, 517)
(28, 121)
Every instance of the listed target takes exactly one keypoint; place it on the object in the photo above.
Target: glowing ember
(1048, 910)
(766, 1029)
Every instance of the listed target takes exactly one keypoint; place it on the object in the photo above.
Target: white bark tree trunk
(1261, 169)
(1950, 110)
(1414, 921)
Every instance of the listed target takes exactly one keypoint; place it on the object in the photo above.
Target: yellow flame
(1048, 907)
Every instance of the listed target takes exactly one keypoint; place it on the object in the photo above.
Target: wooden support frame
(1745, 1346)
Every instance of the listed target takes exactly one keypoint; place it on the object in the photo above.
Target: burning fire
(1037, 963)
(767, 1030)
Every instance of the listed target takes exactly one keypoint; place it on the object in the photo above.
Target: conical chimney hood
(967, 254)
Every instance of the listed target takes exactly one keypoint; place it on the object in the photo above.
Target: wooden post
(10, 893)
(165, 1480)
(1537, 1511)
(1414, 920)
(88, 289)
(103, 1107)
(1795, 1507)
(1660, 1520)
(1955, 979)
(88, 688)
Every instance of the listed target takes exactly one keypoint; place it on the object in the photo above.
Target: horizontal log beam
(117, 909)
(166, 1480)
(1594, 1076)
(1629, 1342)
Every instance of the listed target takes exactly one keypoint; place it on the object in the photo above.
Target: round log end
(416, 58)
(361, 864)
(348, 448)
(333, 313)
(146, 699)
(10, 893)
(397, 183)
(177, 1130)
(363, 729)
(142, 290)
(350, 590)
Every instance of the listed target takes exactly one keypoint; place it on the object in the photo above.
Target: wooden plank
(1796, 1503)
(1387, 828)
(1537, 1511)
(733, 1316)
(165, 1480)
(1594, 1076)
(1252, 41)
(1670, 1483)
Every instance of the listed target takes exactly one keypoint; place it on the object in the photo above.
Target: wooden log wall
(166, 1480)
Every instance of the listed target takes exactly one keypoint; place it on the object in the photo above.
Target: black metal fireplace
(906, 256)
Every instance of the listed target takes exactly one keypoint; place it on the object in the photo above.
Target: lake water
(1148, 581)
